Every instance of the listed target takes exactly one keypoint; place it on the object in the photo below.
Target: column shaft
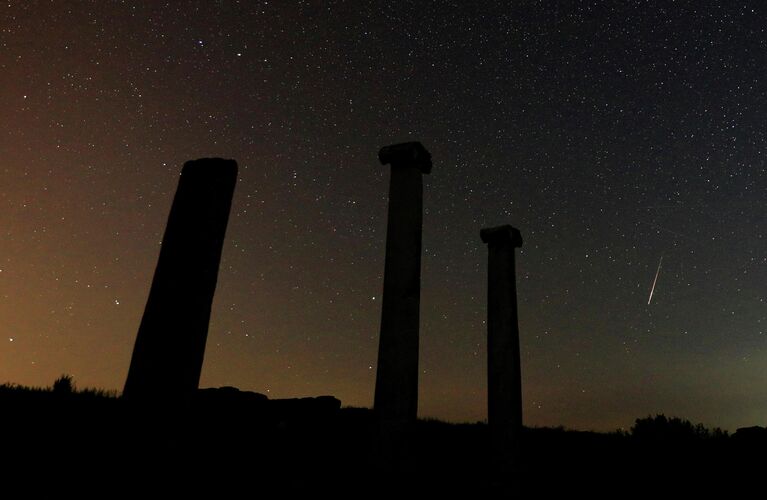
(170, 345)
(396, 396)
(396, 393)
(504, 381)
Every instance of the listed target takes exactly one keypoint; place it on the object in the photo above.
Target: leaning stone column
(396, 392)
(170, 345)
(504, 383)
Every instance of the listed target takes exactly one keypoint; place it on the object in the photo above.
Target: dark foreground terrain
(226, 443)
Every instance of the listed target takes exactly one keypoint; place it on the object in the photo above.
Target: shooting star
(652, 290)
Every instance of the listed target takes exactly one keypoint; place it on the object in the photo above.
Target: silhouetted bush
(672, 430)
(64, 385)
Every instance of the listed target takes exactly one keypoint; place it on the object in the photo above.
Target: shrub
(64, 385)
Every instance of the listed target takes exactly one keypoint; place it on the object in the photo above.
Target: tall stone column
(170, 345)
(396, 392)
(504, 381)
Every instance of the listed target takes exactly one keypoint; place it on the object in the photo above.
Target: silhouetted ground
(227, 443)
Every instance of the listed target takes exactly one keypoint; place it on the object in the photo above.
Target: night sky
(611, 134)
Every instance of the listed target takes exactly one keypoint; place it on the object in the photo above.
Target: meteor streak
(652, 290)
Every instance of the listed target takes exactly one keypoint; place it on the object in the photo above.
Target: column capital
(406, 154)
(501, 234)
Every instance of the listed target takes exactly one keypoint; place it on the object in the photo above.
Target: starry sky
(612, 134)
